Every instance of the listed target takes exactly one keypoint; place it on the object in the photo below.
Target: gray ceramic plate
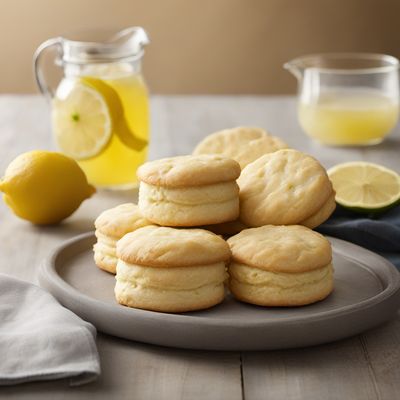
(367, 293)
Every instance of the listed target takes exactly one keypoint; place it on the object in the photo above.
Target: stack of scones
(169, 252)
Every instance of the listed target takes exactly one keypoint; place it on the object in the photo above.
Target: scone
(243, 144)
(189, 190)
(171, 270)
(322, 214)
(280, 266)
(287, 187)
(110, 226)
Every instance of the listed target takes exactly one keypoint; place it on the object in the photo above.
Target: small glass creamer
(347, 99)
(100, 108)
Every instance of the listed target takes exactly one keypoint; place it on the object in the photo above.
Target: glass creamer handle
(40, 80)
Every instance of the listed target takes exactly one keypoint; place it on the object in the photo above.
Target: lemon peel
(121, 128)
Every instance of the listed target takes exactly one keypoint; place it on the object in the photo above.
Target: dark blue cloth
(379, 233)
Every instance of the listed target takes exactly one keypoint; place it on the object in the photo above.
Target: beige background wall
(204, 46)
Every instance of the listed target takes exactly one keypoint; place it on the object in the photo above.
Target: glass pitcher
(100, 108)
(347, 99)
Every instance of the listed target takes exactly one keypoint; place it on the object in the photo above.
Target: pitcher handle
(40, 80)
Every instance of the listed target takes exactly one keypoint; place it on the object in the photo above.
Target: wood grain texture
(381, 348)
(333, 371)
(365, 367)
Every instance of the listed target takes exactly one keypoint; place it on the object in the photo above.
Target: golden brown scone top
(184, 171)
(119, 220)
(288, 249)
(169, 247)
(244, 144)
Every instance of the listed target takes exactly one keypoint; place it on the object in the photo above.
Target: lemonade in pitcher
(100, 109)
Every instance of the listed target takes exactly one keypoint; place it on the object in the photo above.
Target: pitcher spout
(134, 36)
(295, 67)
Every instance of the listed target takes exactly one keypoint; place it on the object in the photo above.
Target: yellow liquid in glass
(349, 117)
(116, 165)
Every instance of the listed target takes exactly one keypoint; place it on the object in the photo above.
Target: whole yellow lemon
(44, 187)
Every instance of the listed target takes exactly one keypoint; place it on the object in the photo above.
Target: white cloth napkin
(40, 339)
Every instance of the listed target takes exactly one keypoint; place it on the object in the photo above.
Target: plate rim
(48, 273)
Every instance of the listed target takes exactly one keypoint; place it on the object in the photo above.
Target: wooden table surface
(362, 367)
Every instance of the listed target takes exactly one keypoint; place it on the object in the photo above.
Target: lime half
(365, 187)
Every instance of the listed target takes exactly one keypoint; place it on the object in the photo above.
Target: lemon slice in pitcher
(365, 187)
(84, 121)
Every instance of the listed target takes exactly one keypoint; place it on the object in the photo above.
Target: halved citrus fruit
(82, 123)
(85, 119)
(365, 187)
